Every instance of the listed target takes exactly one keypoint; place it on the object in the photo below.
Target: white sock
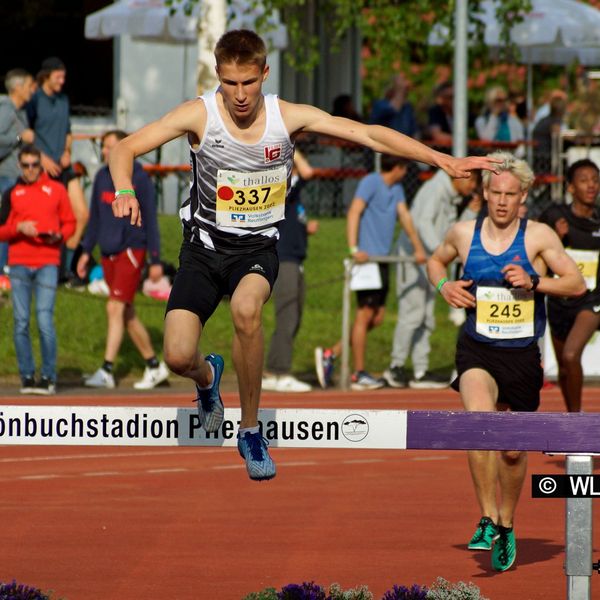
(212, 370)
(249, 430)
(419, 374)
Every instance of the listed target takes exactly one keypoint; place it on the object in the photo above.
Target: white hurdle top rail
(569, 433)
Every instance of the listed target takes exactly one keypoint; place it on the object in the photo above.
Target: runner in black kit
(573, 321)
(241, 148)
(497, 355)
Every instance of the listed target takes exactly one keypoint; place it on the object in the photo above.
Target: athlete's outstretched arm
(189, 117)
(302, 117)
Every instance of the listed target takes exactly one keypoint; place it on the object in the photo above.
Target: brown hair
(118, 133)
(29, 149)
(241, 46)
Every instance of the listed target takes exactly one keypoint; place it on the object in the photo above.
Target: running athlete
(241, 148)
(573, 321)
(497, 356)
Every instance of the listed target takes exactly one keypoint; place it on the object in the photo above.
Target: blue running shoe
(210, 405)
(254, 449)
(324, 366)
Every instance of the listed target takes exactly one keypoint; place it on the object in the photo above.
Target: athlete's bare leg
(180, 346)
(569, 357)
(512, 468)
(479, 392)
(248, 343)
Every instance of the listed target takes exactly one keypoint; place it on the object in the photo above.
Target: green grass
(80, 318)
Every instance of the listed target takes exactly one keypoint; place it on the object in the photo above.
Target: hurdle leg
(578, 534)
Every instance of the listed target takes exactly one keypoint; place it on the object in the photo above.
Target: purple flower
(305, 591)
(416, 592)
(18, 591)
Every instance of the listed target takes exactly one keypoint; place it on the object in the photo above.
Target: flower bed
(440, 590)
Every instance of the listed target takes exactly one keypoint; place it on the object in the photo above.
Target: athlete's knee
(571, 357)
(246, 314)
(512, 457)
(179, 362)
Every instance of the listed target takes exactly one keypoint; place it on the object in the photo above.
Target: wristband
(124, 193)
(441, 282)
(353, 249)
(535, 281)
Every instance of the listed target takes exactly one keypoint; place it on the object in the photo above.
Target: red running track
(187, 524)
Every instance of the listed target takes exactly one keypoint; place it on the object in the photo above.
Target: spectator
(378, 201)
(496, 123)
(35, 218)
(14, 131)
(573, 321)
(49, 116)
(288, 291)
(433, 211)
(123, 248)
(440, 116)
(343, 106)
(546, 128)
(544, 108)
(394, 110)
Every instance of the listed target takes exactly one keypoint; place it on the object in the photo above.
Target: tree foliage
(395, 32)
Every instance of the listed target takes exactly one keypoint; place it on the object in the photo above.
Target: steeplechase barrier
(576, 435)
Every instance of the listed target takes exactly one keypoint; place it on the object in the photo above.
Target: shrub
(266, 594)
(359, 593)
(444, 590)
(304, 591)
(416, 592)
(18, 591)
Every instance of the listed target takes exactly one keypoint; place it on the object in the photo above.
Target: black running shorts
(204, 276)
(376, 298)
(562, 315)
(518, 372)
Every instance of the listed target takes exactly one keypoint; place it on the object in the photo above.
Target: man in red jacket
(35, 218)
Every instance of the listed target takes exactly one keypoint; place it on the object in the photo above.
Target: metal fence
(340, 165)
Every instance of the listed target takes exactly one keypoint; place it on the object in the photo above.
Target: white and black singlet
(238, 190)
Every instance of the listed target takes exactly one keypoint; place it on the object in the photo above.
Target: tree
(395, 32)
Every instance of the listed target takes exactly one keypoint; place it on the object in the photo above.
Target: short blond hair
(516, 166)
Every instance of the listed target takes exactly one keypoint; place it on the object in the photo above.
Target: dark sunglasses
(30, 165)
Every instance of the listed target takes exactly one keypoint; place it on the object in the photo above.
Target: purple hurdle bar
(570, 433)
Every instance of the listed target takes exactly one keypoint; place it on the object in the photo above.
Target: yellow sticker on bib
(251, 199)
(504, 314)
(587, 263)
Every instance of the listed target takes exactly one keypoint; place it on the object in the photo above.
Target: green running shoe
(505, 549)
(484, 535)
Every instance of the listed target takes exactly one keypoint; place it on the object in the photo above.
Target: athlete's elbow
(581, 289)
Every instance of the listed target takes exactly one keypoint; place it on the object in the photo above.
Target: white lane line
(173, 470)
(24, 459)
(362, 461)
(49, 476)
(100, 474)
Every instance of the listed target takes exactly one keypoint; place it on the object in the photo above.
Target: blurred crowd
(49, 231)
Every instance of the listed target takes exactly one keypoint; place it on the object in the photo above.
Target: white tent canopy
(553, 32)
(143, 19)
(152, 20)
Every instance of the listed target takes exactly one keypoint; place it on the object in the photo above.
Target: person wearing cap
(48, 112)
